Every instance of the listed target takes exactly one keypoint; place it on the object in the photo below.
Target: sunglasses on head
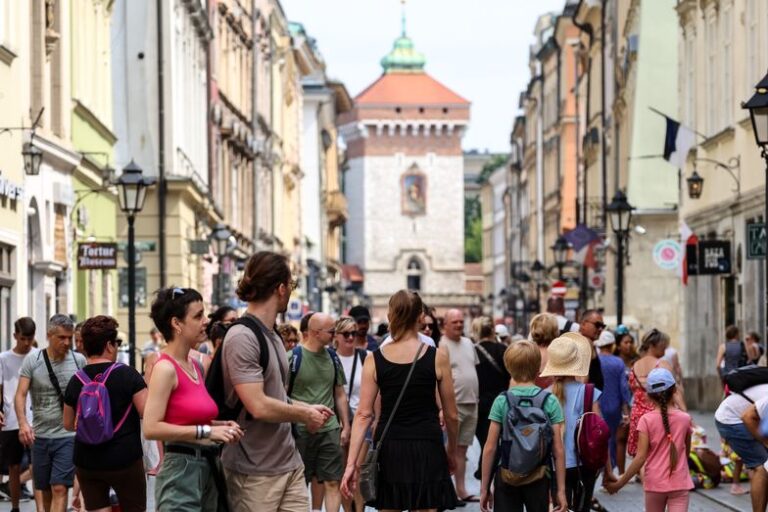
(177, 292)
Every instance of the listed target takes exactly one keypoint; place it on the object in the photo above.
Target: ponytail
(663, 399)
(558, 389)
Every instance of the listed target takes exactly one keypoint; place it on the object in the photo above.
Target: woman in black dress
(414, 465)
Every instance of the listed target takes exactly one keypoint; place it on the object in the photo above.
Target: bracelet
(206, 431)
(198, 432)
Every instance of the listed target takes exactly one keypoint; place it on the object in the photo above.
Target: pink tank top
(189, 403)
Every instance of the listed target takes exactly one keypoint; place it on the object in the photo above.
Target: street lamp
(220, 239)
(695, 185)
(620, 213)
(560, 249)
(33, 156)
(758, 111)
(537, 269)
(132, 190)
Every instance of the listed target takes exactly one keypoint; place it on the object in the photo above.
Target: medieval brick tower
(404, 183)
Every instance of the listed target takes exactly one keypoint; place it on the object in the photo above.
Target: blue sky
(479, 49)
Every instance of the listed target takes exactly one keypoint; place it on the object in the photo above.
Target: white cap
(501, 331)
(606, 338)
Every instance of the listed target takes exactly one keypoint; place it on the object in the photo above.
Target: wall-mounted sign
(666, 254)
(141, 287)
(96, 255)
(714, 257)
(10, 190)
(756, 241)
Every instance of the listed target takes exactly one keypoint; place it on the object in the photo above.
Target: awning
(352, 273)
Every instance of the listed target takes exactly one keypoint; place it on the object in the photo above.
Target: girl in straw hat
(568, 363)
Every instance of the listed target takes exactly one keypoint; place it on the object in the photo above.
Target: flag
(586, 256)
(678, 141)
(688, 237)
(580, 237)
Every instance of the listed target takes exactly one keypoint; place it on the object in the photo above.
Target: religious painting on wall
(414, 192)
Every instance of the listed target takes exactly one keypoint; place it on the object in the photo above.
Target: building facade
(404, 165)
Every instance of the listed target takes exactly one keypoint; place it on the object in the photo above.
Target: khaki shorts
(286, 492)
(467, 423)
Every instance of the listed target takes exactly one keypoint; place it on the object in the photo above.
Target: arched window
(413, 273)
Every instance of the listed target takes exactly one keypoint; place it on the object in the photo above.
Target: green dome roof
(403, 57)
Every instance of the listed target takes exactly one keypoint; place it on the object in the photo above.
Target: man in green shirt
(319, 379)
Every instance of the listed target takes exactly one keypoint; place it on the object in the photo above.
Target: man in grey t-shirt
(52, 446)
(264, 471)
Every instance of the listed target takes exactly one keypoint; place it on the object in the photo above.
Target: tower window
(413, 273)
(398, 110)
(445, 110)
(421, 110)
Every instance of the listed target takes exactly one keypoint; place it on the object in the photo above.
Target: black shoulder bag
(369, 470)
(52, 376)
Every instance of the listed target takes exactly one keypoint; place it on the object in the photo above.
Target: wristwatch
(206, 431)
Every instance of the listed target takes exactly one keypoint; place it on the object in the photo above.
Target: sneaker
(26, 494)
(5, 493)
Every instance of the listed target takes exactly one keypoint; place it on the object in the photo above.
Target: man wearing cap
(616, 396)
(502, 333)
(363, 318)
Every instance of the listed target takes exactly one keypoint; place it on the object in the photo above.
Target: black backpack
(741, 379)
(214, 381)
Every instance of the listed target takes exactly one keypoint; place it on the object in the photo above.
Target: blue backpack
(526, 439)
(93, 420)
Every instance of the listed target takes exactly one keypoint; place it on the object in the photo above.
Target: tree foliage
(473, 230)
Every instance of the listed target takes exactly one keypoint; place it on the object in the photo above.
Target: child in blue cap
(663, 445)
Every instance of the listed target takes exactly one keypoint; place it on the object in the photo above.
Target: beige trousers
(279, 493)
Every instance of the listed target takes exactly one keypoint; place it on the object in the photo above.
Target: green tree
(473, 230)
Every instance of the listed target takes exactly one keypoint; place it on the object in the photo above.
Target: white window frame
(753, 65)
(690, 78)
(726, 31)
(711, 73)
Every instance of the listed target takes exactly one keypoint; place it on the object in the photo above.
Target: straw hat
(568, 356)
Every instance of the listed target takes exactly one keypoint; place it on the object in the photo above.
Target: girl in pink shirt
(663, 444)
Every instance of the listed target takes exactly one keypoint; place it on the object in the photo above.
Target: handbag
(369, 469)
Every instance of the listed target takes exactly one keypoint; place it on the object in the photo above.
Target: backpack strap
(52, 377)
(336, 365)
(254, 326)
(294, 367)
(82, 377)
(589, 390)
(567, 327)
(540, 398)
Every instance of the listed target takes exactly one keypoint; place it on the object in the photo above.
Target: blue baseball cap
(621, 330)
(660, 379)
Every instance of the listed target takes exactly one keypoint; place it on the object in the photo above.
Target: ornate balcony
(336, 208)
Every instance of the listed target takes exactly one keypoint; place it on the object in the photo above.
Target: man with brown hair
(264, 470)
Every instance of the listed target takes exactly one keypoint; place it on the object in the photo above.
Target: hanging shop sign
(96, 255)
(714, 257)
(756, 241)
(9, 189)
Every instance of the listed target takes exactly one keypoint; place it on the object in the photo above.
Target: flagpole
(668, 117)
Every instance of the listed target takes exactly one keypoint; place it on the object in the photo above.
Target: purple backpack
(93, 423)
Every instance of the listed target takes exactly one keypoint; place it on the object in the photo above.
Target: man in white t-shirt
(752, 417)
(729, 422)
(463, 358)
(11, 449)
(556, 306)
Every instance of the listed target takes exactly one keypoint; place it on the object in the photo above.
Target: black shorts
(11, 449)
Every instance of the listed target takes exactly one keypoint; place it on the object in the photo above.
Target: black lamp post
(220, 239)
(132, 190)
(620, 214)
(537, 269)
(560, 249)
(33, 156)
(758, 111)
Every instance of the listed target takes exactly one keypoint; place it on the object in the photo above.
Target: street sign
(559, 289)
(714, 257)
(294, 311)
(756, 241)
(96, 256)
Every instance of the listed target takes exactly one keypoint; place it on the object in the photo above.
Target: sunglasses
(177, 291)
(347, 334)
(599, 325)
(427, 327)
(118, 342)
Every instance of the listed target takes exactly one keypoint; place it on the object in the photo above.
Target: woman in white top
(352, 359)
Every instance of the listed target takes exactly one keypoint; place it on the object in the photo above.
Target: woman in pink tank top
(181, 413)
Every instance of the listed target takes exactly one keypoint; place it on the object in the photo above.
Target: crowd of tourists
(247, 413)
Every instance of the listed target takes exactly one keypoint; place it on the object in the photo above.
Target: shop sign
(97, 255)
(666, 254)
(756, 241)
(714, 257)
(10, 190)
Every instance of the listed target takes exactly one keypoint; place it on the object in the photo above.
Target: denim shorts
(751, 451)
(52, 462)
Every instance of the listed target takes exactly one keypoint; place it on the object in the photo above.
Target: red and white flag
(687, 237)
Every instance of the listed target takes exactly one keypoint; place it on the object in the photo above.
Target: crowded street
(423, 255)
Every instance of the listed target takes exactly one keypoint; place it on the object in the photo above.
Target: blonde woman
(542, 330)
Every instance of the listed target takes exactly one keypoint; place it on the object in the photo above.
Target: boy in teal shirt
(523, 360)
